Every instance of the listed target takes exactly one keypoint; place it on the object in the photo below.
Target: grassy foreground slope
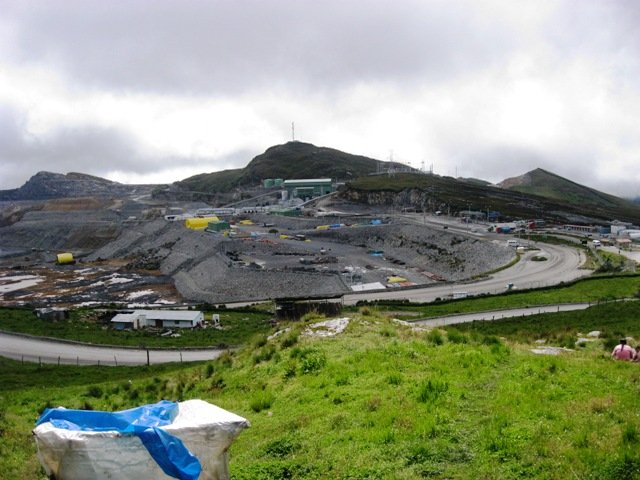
(381, 400)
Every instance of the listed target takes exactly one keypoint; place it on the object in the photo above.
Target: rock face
(47, 185)
(522, 180)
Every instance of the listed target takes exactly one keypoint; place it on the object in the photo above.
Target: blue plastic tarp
(167, 450)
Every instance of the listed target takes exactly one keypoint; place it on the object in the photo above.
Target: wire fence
(32, 350)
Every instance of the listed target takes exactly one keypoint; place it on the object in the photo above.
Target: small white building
(158, 319)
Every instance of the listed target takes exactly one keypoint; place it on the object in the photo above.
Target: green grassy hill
(549, 185)
(382, 400)
(447, 192)
(292, 160)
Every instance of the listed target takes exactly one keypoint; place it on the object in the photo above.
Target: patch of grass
(237, 328)
(261, 400)
(397, 406)
(431, 390)
(613, 320)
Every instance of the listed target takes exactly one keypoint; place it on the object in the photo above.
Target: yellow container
(199, 223)
(65, 258)
(396, 279)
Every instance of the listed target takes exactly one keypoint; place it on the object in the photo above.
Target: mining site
(126, 252)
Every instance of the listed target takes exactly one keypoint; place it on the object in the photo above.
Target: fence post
(77, 361)
(39, 361)
(148, 357)
(115, 360)
(180, 357)
(58, 360)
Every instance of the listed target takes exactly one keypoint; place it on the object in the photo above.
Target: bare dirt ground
(129, 254)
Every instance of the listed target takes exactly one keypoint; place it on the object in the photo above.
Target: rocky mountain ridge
(48, 185)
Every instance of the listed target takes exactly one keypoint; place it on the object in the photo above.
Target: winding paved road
(500, 314)
(562, 265)
(32, 349)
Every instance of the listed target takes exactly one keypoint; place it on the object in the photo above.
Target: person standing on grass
(622, 351)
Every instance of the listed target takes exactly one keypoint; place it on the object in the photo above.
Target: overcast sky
(156, 91)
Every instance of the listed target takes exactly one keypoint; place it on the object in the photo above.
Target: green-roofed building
(308, 188)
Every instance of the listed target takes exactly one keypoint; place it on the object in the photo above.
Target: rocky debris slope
(62, 230)
(212, 268)
(448, 255)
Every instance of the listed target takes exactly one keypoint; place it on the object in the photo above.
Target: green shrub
(630, 434)
(226, 359)
(281, 447)
(431, 390)
(261, 400)
(290, 339)
(374, 403)
(264, 354)
(313, 363)
(217, 382)
(94, 391)
(435, 337)
(388, 332)
(260, 341)
(290, 370)
(455, 336)
(491, 340)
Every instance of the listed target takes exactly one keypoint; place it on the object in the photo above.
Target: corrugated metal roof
(188, 315)
(307, 181)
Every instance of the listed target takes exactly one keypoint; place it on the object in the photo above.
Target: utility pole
(293, 131)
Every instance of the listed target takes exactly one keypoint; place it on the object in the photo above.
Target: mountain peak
(46, 185)
(547, 184)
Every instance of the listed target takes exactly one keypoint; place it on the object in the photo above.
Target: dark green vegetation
(382, 401)
(292, 160)
(436, 193)
(613, 320)
(237, 328)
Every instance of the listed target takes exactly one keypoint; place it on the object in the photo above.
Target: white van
(513, 243)
(596, 243)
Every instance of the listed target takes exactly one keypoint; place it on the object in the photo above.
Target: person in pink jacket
(623, 351)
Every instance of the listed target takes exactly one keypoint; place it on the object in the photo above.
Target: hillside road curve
(562, 264)
(500, 314)
(41, 350)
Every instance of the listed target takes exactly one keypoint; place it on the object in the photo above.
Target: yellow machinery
(199, 223)
(65, 258)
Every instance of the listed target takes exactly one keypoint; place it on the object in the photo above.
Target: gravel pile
(444, 254)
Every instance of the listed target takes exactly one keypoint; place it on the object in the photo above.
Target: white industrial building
(158, 319)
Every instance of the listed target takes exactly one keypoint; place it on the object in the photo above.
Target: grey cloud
(579, 165)
(498, 162)
(221, 46)
(87, 149)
